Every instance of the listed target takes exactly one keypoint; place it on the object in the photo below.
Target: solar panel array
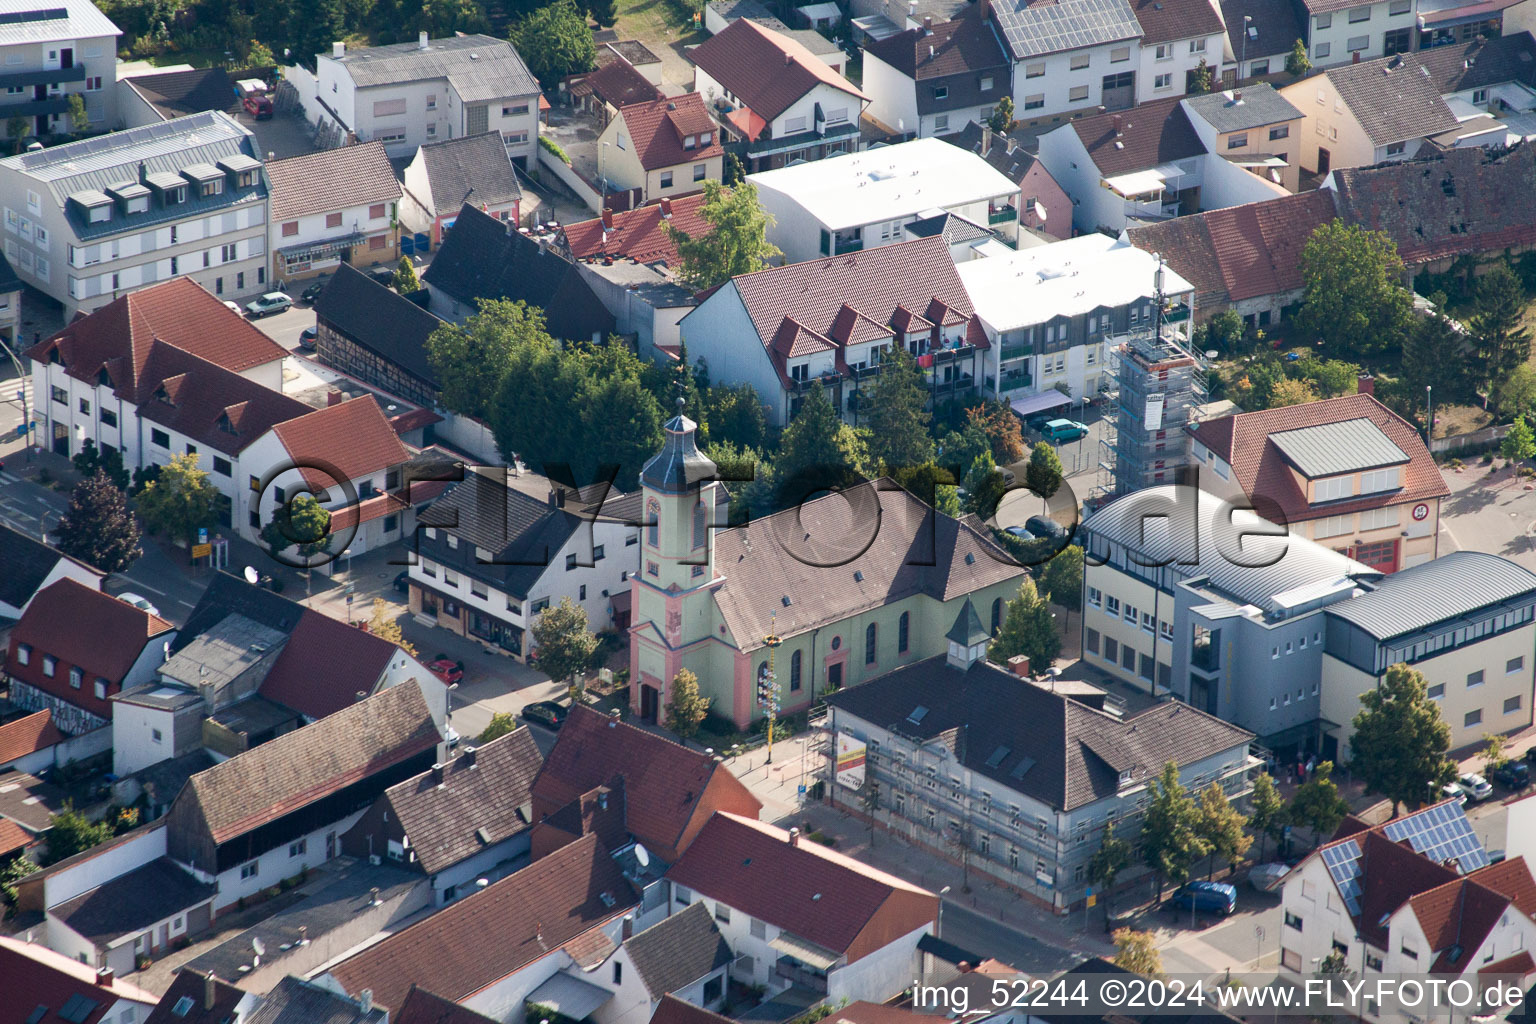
(1343, 864)
(1443, 834)
(1068, 25)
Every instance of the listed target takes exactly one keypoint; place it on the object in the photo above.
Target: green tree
(300, 522)
(405, 280)
(686, 707)
(1201, 79)
(1062, 577)
(959, 448)
(385, 624)
(1296, 62)
(1001, 120)
(79, 120)
(1317, 803)
(473, 358)
(501, 723)
(11, 872)
(984, 486)
(1137, 952)
(736, 415)
(1266, 811)
(98, 529)
(622, 425)
(898, 421)
(258, 55)
(1493, 752)
(555, 41)
(313, 31)
(1333, 377)
(89, 459)
(1044, 473)
(179, 501)
(736, 242)
(1516, 392)
(1497, 325)
(1224, 329)
(1027, 629)
(1435, 355)
(1353, 296)
(1399, 745)
(601, 11)
(537, 411)
(1113, 856)
(1520, 443)
(998, 423)
(1170, 831)
(72, 832)
(17, 129)
(563, 642)
(1289, 391)
(817, 451)
(946, 499)
(1223, 828)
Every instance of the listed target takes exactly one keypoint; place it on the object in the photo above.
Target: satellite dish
(257, 946)
(642, 855)
(251, 576)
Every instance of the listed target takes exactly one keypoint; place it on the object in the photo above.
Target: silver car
(272, 302)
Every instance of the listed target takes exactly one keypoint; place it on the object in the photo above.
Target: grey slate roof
(1045, 745)
(479, 67)
(176, 93)
(476, 162)
(491, 796)
(1395, 99)
(1341, 447)
(301, 1002)
(166, 148)
(1037, 29)
(1252, 106)
(967, 629)
(1194, 551)
(679, 465)
(678, 951)
(133, 902)
(1481, 62)
(24, 563)
(1014, 163)
(1275, 21)
(1450, 586)
(379, 319)
(72, 20)
(955, 228)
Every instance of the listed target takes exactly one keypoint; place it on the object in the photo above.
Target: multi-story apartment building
(1018, 777)
(1055, 314)
(89, 221)
(50, 53)
(330, 207)
(409, 94)
(936, 79)
(1345, 31)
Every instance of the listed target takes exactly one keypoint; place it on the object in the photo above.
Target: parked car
(1207, 897)
(548, 713)
(139, 601)
(1044, 528)
(234, 307)
(272, 302)
(1268, 877)
(1454, 791)
(384, 273)
(316, 286)
(309, 337)
(254, 98)
(1476, 786)
(448, 670)
(1062, 431)
(401, 581)
(1513, 775)
(1037, 421)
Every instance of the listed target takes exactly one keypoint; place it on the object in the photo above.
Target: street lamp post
(1243, 60)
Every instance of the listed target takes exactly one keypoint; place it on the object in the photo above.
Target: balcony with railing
(1205, 656)
(959, 382)
(1013, 382)
(1002, 215)
(950, 355)
(800, 386)
(1018, 350)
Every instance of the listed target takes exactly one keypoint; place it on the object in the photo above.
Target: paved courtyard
(1489, 511)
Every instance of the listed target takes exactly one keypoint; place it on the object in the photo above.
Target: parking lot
(1494, 512)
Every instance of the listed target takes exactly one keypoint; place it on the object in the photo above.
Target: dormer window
(103, 378)
(100, 214)
(245, 179)
(1125, 778)
(211, 188)
(225, 424)
(706, 138)
(172, 196)
(691, 142)
(800, 372)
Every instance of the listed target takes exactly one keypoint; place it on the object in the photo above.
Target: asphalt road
(974, 931)
(284, 328)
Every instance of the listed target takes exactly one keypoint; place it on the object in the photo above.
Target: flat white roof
(1066, 278)
(1137, 183)
(883, 184)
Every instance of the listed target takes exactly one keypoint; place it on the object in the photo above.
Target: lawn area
(662, 21)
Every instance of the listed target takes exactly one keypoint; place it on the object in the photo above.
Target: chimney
(1013, 144)
(338, 49)
(104, 977)
(365, 997)
(437, 773)
(788, 60)
(927, 24)
(334, 397)
(303, 934)
(421, 41)
(552, 498)
(628, 927)
(1365, 384)
(210, 990)
(1115, 123)
(986, 140)
(964, 967)
(1019, 665)
(607, 220)
(143, 174)
(1237, 96)
(469, 756)
(1354, 58)
(930, 51)
(666, 209)
(794, 837)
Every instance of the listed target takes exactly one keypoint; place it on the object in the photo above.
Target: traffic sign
(202, 550)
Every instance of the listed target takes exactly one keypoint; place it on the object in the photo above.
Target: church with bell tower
(856, 584)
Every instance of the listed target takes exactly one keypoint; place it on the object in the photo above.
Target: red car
(448, 671)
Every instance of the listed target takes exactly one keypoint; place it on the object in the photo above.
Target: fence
(1459, 442)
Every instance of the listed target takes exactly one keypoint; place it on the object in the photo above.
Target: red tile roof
(1456, 918)
(1147, 135)
(1391, 875)
(963, 45)
(1260, 468)
(482, 938)
(672, 1010)
(1513, 879)
(767, 71)
(36, 976)
(669, 789)
(639, 234)
(325, 664)
(1167, 20)
(423, 1007)
(28, 735)
(617, 83)
(366, 511)
(341, 442)
(82, 628)
(13, 837)
(658, 130)
(806, 889)
(1521, 964)
(181, 312)
(212, 405)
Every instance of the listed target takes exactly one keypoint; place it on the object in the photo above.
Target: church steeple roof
(679, 467)
(967, 630)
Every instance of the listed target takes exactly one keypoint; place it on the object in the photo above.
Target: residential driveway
(285, 327)
(1486, 511)
(575, 133)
